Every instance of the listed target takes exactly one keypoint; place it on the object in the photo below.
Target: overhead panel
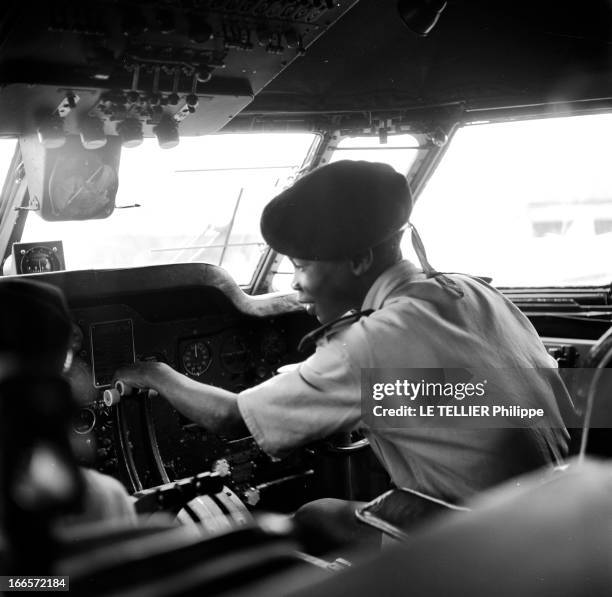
(186, 65)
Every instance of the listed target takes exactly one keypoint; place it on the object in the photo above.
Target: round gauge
(196, 357)
(36, 260)
(82, 187)
(84, 421)
(273, 346)
(235, 354)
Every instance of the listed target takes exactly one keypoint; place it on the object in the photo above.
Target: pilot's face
(325, 288)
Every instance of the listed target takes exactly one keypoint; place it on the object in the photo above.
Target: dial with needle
(82, 187)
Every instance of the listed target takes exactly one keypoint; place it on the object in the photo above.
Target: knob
(199, 31)
(292, 38)
(221, 467)
(111, 397)
(251, 496)
(166, 21)
(123, 388)
(438, 138)
(134, 23)
(192, 100)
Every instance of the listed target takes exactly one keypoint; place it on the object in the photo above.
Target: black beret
(34, 319)
(337, 211)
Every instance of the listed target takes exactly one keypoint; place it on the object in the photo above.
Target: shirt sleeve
(320, 397)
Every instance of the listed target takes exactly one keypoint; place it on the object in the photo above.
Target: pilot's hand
(142, 375)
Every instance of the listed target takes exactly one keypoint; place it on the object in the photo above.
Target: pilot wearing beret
(341, 226)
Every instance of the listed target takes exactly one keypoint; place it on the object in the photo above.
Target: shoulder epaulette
(340, 322)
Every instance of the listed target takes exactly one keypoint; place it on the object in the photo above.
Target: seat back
(39, 478)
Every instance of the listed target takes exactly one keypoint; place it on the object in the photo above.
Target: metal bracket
(33, 205)
(67, 104)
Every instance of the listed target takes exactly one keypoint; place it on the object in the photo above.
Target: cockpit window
(528, 203)
(200, 201)
(399, 151)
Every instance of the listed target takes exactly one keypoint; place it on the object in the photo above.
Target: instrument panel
(238, 356)
(143, 441)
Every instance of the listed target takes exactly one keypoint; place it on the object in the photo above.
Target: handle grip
(122, 390)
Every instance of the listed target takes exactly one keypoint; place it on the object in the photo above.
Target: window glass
(200, 201)
(399, 151)
(528, 203)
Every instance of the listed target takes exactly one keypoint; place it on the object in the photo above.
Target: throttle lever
(122, 390)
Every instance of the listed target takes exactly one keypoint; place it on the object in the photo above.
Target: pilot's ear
(361, 263)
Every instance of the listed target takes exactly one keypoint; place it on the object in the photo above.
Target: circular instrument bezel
(88, 428)
(190, 351)
(38, 253)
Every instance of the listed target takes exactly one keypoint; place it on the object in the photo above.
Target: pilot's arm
(213, 408)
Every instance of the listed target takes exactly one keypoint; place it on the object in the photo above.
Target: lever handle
(122, 390)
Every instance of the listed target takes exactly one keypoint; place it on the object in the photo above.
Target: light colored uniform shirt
(418, 324)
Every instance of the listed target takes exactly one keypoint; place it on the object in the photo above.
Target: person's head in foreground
(36, 337)
(34, 323)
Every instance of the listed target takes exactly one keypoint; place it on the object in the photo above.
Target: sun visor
(164, 69)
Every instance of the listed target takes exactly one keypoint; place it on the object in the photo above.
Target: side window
(528, 203)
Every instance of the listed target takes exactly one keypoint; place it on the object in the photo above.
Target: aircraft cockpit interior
(147, 152)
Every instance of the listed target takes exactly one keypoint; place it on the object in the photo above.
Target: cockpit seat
(545, 533)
